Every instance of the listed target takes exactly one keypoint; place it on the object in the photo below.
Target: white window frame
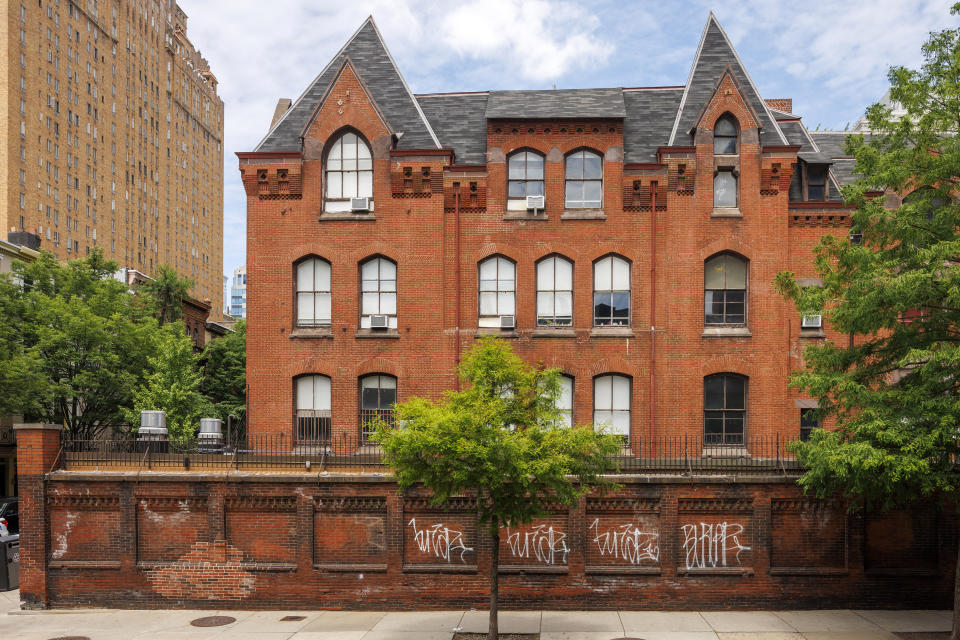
(313, 289)
(378, 291)
(347, 175)
(612, 395)
(549, 293)
(499, 289)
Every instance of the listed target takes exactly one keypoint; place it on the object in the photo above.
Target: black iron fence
(353, 453)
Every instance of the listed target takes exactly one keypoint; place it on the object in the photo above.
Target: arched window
(611, 292)
(497, 291)
(584, 180)
(724, 408)
(378, 394)
(725, 136)
(565, 400)
(725, 290)
(611, 403)
(554, 292)
(349, 169)
(378, 292)
(524, 175)
(313, 408)
(313, 293)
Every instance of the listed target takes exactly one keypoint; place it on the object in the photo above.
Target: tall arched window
(313, 408)
(583, 177)
(349, 171)
(313, 293)
(497, 291)
(554, 292)
(611, 292)
(724, 408)
(524, 175)
(725, 290)
(725, 136)
(378, 394)
(611, 403)
(378, 294)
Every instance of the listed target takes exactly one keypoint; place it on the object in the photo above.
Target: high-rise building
(112, 136)
(238, 292)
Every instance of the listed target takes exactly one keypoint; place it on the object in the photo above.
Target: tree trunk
(492, 632)
(955, 635)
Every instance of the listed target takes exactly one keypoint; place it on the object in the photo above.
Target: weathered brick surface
(271, 542)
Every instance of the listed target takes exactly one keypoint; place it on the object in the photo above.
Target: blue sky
(831, 58)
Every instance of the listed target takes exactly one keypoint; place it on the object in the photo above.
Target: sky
(830, 57)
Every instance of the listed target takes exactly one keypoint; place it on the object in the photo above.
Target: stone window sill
(547, 332)
(612, 332)
(329, 216)
(812, 333)
(494, 331)
(388, 334)
(312, 333)
(525, 215)
(583, 214)
(726, 212)
(725, 451)
(726, 332)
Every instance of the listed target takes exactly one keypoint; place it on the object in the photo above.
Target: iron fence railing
(353, 453)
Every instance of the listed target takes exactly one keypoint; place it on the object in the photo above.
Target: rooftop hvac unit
(812, 322)
(379, 322)
(361, 205)
(508, 322)
(536, 203)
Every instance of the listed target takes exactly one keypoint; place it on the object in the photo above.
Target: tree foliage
(225, 372)
(164, 294)
(893, 388)
(501, 438)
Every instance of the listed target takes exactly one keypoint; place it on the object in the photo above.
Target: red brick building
(628, 236)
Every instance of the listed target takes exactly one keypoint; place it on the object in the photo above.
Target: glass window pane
(621, 423)
(574, 168)
(564, 274)
(363, 151)
(620, 307)
(349, 146)
(733, 427)
(724, 190)
(602, 275)
(603, 417)
(349, 184)
(736, 392)
(713, 423)
(592, 194)
(334, 184)
(621, 274)
(488, 304)
(736, 271)
(387, 382)
(370, 303)
(305, 272)
(505, 304)
(388, 270)
(321, 279)
(505, 268)
(713, 392)
(534, 188)
(574, 194)
(724, 145)
(321, 392)
(563, 304)
(305, 392)
(545, 274)
(365, 186)
(592, 166)
(488, 270)
(323, 308)
(725, 126)
(349, 164)
(602, 392)
(305, 308)
(713, 273)
(388, 303)
(621, 393)
(601, 308)
(370, 270)
(534, 167)
(370, 397)
(517, 189)
(545, 304)
(516, 166)
(565, 399)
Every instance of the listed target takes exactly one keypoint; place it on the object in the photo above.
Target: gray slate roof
(373, 63)
(563, 103)
(831, 142)
(460, 123)
(714, 55)
(650, 114)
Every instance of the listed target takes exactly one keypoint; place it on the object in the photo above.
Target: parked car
(9, 515)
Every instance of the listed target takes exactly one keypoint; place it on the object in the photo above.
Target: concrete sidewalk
(115, 624)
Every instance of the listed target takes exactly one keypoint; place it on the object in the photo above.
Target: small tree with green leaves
(501, 438)
(164, 294)
(894, 386)
(225, 372)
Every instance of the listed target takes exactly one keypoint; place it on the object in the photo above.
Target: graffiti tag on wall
(711, 545)
(542, 543)
(440, 541)
(627, 542)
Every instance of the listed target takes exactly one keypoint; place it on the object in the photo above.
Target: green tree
(500, 438)
(892, 388)
(164, 294)
(173, 386)
(75, 343)
(225, 372)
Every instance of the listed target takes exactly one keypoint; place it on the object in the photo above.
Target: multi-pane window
(725, 290)
(565, 400)
(808, 422)
(584, 180)
(725, 187)
(725, 135)
(378, 394)
(724, 408)
(378, 292)
(611, 291)
(554, 292)
(349, 168)
(611, 403)
(497, 291)
(525, 175)
(313, 293)
(313, 408)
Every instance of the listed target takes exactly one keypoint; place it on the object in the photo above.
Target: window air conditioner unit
(535, 202)
(508, 322)
(360, 204)
(812, 322)
(378, 322)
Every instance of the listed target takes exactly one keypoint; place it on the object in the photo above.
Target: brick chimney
(780, 104)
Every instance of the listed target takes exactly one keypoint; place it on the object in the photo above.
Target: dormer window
(816, 182)
(725, 136)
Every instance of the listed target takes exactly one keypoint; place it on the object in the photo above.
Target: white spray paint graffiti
(712, 544)
(61, 548)
(542, 543)
(628, 542)
(440, 541)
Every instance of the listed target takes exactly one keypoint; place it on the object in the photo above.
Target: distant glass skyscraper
(238, 292)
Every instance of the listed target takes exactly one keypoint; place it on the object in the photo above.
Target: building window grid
(525, 175)
(554, 292)
(497, 291)
(725, 290)
(611, 404)
(314, 416)
(583, 180)
(724, 409)
(349, 169)
(611, 292)
(378, 285)
(313, 293)
(378, 395)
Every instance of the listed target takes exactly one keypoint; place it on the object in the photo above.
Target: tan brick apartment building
(387, 230)
(112, 136)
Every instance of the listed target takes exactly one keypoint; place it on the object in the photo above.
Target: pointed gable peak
(372, 63)
(715, 56)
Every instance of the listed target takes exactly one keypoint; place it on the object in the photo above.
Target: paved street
(112, 624)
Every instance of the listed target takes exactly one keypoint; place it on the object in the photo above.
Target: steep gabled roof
(375, 66)
(553, 103)
(714, 54)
